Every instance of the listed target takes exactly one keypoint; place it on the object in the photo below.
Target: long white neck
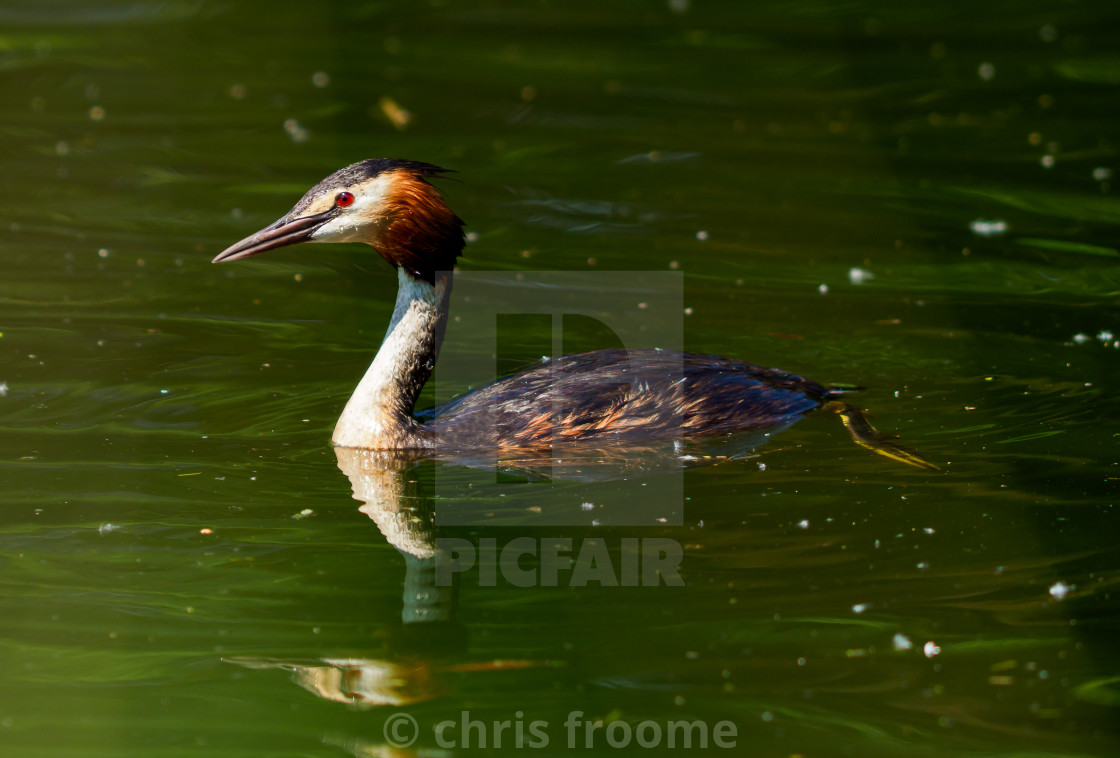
(379, 413)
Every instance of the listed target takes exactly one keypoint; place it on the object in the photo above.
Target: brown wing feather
(621, 396)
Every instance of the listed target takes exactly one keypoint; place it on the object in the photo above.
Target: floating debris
(1059, 590)
(656, 156)
(296, 131)
(989, 228)
(931, 649)
(398, 116)
(859, 275)
(303, 514)
(901, 642)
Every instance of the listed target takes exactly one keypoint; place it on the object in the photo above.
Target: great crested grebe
(605, 397)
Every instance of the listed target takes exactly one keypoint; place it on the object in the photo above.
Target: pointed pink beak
(286, 231)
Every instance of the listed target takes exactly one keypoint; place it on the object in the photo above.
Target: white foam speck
(1059, 590)
(983, 227)
(859, 275)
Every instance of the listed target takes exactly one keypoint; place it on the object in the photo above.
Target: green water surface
(913, 198)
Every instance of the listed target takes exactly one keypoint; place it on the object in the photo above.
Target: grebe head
(388, 204)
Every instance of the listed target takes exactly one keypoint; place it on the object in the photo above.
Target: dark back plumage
(617, 396)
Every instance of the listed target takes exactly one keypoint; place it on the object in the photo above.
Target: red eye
(343, 199)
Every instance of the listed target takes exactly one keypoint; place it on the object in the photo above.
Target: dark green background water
(146, 395)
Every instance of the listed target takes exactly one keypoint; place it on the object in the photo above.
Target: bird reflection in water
(428, 644)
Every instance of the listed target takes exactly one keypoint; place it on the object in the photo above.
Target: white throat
(379, 413)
